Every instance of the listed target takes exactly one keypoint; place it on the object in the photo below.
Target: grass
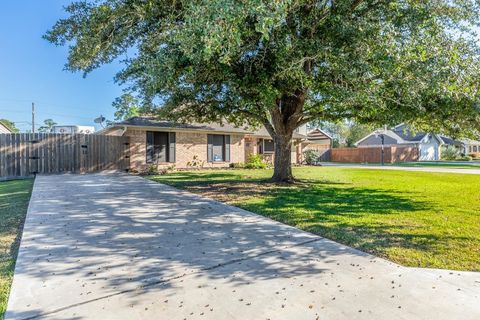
(14, 197)
(413, 218)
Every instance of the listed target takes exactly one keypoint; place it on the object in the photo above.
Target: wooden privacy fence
(374, 154)
(26, 154)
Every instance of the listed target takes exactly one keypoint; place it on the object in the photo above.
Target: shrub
(465, 158)
(255, 161)
(152, 170)
(450, 153)
(237, 165)
(196, 163)
(311, 156)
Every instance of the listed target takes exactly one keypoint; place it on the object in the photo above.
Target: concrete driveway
(121, 247)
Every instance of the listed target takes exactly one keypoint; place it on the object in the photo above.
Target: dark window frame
(271, 143)
(226, 145)
(152, 157)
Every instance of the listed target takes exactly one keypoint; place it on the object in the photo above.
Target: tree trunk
(282, 171)
(285, 118)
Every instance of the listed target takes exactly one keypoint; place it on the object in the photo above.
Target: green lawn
(413, 218)
(14, 196)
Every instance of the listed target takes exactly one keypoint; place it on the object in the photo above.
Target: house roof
(4, 128)
(262, 132)
(225, 127)
(318, 134)
(450, 141)
(154, 122)
(404, 135)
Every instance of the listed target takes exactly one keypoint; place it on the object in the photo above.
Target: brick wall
(188, 145)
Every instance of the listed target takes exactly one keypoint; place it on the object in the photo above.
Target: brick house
(163, 143)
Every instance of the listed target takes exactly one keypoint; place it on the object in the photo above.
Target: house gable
(373, 140)
(4, 129)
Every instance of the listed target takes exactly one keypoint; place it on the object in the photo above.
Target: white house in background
(471, 147)
(73, 129)
(428, 144)
(4, 128)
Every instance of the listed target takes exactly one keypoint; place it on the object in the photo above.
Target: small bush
(474, 155)
(196, 163)
(255, 161)
(152, 170)
(311, 156)
(450, 153)
(465, 158)
(237, 165)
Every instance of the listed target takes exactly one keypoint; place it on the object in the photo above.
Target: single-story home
(319, 140)
(428, 144)
(162, 143)
(4, 128)
(471, 147)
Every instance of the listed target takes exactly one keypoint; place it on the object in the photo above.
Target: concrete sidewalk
(121, 247)
(398, 168)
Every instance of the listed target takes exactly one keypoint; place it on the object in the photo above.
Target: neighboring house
(428, 144)
(4, 128)
(471, 147)
(164, 143)
(320, 141)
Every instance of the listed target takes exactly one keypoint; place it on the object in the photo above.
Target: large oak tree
(283, 63)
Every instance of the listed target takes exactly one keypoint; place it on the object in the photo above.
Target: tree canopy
(128, 106)
(288, 62)
(47, 125)
(343, 133)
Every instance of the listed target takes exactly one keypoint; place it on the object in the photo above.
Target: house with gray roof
(428, 144)
(162, 143)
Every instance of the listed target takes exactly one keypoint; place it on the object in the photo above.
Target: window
(268, 146)
(218, 149)
(475, 149)
(160, 147)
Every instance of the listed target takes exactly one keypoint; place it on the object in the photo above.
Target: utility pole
(33, 117)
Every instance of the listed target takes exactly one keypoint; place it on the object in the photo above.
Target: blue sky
(31, 70)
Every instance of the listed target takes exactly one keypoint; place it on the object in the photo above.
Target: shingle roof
(262, 132)
(406, 134)
(451, 141)
(224, 127)
(154, 122)
(318, 134)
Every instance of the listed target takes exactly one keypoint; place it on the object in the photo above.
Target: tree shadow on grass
(370, 219)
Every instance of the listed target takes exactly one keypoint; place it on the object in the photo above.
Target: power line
(49, 114)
